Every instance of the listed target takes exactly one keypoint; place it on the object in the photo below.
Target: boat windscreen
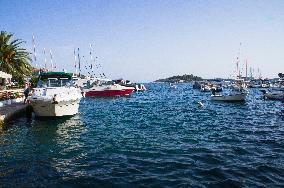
(54, 83)
(57, 75)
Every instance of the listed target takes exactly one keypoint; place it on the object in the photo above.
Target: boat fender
(54, 99)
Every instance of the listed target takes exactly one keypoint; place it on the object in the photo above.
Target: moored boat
(173, 86)
(232, 97)
(140, 88)
(55, 95)
(205, 88)
(101, 88)
(237, 93)
(273, 95)
(196, 85)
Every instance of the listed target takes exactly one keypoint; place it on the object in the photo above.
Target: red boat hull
(108, 93)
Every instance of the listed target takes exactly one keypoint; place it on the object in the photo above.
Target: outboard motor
(213, 91)
(263, 91)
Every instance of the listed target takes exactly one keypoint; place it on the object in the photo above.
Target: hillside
(183, 78)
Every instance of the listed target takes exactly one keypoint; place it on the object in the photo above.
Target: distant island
(183, 78)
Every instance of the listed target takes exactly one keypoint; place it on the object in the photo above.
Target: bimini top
(58, 75)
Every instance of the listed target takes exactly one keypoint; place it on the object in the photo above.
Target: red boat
(114, 90)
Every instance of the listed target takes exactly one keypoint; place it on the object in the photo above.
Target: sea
(159, 138)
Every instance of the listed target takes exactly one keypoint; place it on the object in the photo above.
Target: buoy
(200, 104)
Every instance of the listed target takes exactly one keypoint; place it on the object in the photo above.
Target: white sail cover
(5, 75)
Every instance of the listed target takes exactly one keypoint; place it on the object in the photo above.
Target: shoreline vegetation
(182, 79)
(187, 78)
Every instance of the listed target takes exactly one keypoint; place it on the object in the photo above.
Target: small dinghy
(173, 86)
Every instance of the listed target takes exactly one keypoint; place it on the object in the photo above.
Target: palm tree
(14, 59)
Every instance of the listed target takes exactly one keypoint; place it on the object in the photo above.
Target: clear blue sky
(145, 40)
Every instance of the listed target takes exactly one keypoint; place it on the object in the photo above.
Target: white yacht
(55, 95)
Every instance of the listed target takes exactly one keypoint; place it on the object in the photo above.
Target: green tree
(13, 58)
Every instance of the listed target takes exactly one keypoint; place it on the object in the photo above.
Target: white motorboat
(140, 87)
(278, 85)
(205, 88)
(55, 95)
(237, 93)
(232, 97)
(273, 95)
(107, 88)
(173, 86)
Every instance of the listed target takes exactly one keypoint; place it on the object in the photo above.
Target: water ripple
(160, 138)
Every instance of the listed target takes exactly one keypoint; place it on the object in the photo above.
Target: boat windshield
(55, 83)
(102, 83)
(107, 83)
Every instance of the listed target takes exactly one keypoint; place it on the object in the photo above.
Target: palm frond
(14, 59)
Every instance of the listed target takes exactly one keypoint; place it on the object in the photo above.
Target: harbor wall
(11, 112)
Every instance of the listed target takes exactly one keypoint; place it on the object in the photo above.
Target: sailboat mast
(45, 64)
(246, 68)
(51, 59)
(91, 59)
(34, 50)
(240, 59)
(79, 61)
(238, 72)
(75, 61)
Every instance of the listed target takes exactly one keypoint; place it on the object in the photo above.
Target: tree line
(185, 78)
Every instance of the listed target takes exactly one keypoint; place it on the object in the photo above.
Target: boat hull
(229, 98)
(43, 108)
(274, 96)
(108, 93)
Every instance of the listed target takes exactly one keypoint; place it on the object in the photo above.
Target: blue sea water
(160, 138)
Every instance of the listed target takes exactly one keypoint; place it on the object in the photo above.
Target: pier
(13, 111)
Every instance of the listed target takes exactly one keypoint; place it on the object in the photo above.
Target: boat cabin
(55, 79)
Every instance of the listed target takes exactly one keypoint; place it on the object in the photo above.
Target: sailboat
(234, 95)
(237, 92)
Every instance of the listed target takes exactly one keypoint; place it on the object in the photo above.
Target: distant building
(5, 79)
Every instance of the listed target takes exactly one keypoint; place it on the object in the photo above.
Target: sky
(144, 40)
